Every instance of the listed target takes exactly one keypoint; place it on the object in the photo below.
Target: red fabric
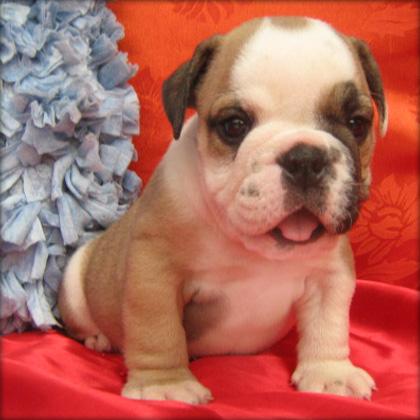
(51, 376)
(162, 34)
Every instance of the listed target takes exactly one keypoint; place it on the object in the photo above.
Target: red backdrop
(162, 34)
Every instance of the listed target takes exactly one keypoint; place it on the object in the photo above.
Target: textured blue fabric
(66, 125)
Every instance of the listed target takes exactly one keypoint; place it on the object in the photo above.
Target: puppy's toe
(132, 392)
(98, 342)
(202, 393)
(336, 387)
(334, 377)
(360, 384)
(188, 391)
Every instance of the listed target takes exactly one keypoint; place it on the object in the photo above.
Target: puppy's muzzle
(304, 166)
(304, 170)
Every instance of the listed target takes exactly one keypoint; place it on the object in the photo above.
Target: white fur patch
(72, 297)
(259, 295)
(282, 73)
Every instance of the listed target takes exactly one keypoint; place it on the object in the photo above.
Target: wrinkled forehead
(287, 68)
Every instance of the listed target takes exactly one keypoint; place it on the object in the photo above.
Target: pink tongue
(299, 226)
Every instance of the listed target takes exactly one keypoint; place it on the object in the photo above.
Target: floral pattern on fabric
(202, 11)
(388, 225)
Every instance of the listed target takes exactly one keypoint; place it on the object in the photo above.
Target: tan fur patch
(137, 262)
(199, 317)
(367, 148)
(214, 146)
(216, 81)
(290, 22)
(333, 106)
(215, 91)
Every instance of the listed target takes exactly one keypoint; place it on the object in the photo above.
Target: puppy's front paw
(333, 377)
(188, 391)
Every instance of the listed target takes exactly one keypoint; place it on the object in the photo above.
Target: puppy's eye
(359, 126)
(234, 129)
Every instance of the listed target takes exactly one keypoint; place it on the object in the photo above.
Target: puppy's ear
(374, 81)
(179, 89)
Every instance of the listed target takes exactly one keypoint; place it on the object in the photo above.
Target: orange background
(162, 34)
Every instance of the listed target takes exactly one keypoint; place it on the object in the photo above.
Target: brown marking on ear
(373, 78)
(191, 86)
(178, 90)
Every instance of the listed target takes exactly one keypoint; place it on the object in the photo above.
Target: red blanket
(57, 377)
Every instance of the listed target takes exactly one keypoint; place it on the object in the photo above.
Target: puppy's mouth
(299, 228)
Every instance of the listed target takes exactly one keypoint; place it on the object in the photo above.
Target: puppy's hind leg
(73, 305)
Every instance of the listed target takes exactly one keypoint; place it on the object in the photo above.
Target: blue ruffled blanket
(66, 125)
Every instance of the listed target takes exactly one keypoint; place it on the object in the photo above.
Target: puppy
(241, 230)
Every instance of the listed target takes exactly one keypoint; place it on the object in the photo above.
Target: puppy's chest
(240, 310)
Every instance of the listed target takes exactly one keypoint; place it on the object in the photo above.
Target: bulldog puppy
(241, 230)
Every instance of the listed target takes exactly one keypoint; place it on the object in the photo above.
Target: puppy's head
(285, 132)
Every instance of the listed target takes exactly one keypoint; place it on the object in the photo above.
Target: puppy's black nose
(304, 165)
